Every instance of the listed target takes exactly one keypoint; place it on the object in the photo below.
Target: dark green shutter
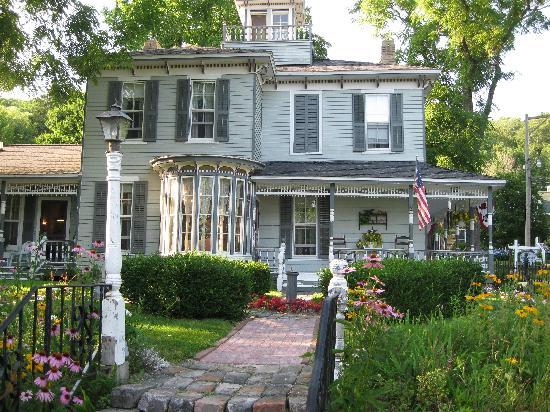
(300, 120)
(100, 212)
(285, 223)
(29, 218)
(115, 93)
(183, 103)
(150, 112)
(139, 217)
(396, 123)
(306, 123)
(222, 110)
(358, 115)
(323, 216)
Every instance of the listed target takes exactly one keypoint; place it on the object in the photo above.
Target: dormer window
(202, 110)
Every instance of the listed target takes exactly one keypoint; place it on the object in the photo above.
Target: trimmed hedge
(419, 287)
(192, 285)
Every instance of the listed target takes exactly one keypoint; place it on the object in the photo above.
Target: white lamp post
(114, 124)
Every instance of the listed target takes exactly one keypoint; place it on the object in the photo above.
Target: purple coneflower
(66, 358)
(78, 400)
(375, 278)
(349, 270)
(97, 244)
(41, 381)
(78, 249)
(74, 367)
(44, 395)
(93, 314)
(25, 396)
(55, 329)
(56, 360)
(54, 374)
(73, 334)
(65, 398)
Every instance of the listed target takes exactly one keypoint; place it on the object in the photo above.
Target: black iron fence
(52, 337)
(525, 272)
(323, 367)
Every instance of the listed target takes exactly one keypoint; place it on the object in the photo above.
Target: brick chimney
(388, 52)
(151, 44)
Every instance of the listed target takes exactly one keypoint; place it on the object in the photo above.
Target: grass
(176, 339)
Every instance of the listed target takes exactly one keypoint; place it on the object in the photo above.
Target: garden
(442, 336)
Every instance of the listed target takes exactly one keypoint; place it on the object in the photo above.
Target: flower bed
(282, 305)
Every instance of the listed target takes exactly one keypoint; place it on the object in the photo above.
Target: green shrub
(419, 287)
(191, 285)
(260, 275)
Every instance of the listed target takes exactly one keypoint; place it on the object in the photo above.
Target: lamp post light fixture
(114, 124)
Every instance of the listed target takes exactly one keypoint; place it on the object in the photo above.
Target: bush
(192, 285)
(419, 287)
(260, 275)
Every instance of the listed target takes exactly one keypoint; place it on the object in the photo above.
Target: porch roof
(43, 160)
(381, 171)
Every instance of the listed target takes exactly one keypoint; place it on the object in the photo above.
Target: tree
(65, 122)
(21, 120)
(171, 22)
(467, 41)
(320, 45)
(49, 44)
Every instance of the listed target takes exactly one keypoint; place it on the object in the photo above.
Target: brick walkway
(267, 341)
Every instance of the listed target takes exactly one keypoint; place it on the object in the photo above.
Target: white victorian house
(236, 150)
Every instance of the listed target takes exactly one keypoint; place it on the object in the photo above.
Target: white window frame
(190, 137)
(242, 225)
(181, 246)
(292, 93)
(279, 31)
(380, 149)
(313, 256)
(199, 214)
(39, 211)
(19, 223)
(133, 140)
(229, 214)
(130, 216)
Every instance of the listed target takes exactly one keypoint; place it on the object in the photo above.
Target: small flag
(483, 215)
(421, 200)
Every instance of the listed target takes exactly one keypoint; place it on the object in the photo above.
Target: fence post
(339, 285)
(281, 270)
(516, 252)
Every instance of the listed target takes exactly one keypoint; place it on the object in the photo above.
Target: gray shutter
(323, 216)
(396, 123)
(285, 223)
(312, 123)
(114, 94)
(29, 218)
(358, 114)
(150, 111)
(300, 121)
(222, 110)
(183, 104)
(139, 217)
(100, 211)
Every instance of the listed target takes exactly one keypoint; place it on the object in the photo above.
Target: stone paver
(267, 341)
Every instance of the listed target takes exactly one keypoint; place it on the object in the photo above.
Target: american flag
(423, 208)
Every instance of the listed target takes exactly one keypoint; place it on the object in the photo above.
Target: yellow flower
(476, 283)
(512, 361)
(469, 297)
(521, 313)
(538, 322)
(531, 309)
(486, 307)
(350, 315)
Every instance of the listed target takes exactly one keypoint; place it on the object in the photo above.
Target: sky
(527, 93)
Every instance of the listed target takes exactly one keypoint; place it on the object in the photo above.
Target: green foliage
(259, 274)
(486, 360)
(65, 122)
(467, 41)
(320, 45)
(418, 287)
(192, 285)
(97, 388)
(22, 120)
(172, 23)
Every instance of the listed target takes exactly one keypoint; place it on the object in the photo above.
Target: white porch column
(490, 229)
(113, 342)
(2, 217)
(339, 285)
(331, 222)
(411, 222)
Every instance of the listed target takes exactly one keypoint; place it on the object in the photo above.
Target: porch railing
(61, 322)
(275, 259)
(266, 33)
(353, 255)
(58, 252)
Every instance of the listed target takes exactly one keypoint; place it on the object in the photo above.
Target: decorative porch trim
(292, 189)
(50, 189)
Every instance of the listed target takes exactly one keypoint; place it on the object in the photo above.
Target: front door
(258, 26)
(53, 219)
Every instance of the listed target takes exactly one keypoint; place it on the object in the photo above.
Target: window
(126, 192)
(280, 18)
(224, 210)
(187, 191)
(172, 214)
(206, 186)
(305, 226)
(133, 98)
(202, 110)
(239, 216)
(11, 220)
(377, 113)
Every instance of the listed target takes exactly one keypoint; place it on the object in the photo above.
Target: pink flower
(10, 342)
(98, 244)
(93, 314)
(78, 400)
(63, 389)
(54, 374)
(45, 395)
(41, 381)
(375, 265)
(66, 358)
(65, 398)
(375, 278)
(73, 334)
(56, 360)
(74, 367)
(375, 291)
(86, 269)
(40, 358)
(55, 329)
(78, 249)
(349, 269)
(25, 396)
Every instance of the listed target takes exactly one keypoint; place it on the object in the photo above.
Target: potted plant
(370, 239)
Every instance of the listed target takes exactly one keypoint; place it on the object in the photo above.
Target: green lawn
(176, 339)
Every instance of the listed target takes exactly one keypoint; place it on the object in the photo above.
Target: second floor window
(378, 121)
(202, 110)
(133, 98)
(280, 23)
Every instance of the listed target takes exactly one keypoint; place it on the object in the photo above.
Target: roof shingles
(41, 160)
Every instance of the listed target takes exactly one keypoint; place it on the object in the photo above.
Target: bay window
(206, 188)
(224, 213)
(305, 226)
(239, 216)
(187, 191)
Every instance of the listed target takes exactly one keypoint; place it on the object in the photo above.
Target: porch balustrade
(266, 33)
